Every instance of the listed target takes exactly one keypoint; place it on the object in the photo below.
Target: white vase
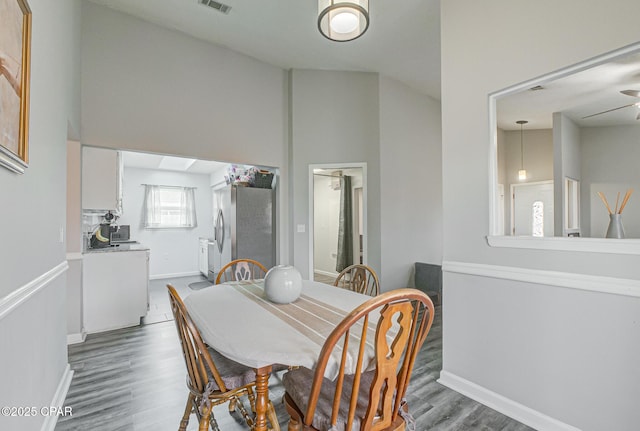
(282, 284)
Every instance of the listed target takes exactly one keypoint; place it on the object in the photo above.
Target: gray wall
(581, 372)
(610, 158)
(567, 156)
(410, 182)
(33, 260)
(334, 120)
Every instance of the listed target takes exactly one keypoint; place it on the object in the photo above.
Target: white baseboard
(76, 338)
(506, 406)
(51, 420)
(174, 275)
(327, 273)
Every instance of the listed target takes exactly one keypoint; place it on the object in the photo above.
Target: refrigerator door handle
(220, 231)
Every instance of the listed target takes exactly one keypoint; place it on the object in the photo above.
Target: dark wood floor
(133, 380)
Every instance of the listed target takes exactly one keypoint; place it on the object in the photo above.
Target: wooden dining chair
(241, 269)
(369, 395)
(359, 278)
(212, 379)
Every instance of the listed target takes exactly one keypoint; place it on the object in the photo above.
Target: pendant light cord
(521, 148)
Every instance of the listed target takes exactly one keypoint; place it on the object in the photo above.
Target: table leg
(262, 397)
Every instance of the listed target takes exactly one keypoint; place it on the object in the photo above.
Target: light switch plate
(302, 228)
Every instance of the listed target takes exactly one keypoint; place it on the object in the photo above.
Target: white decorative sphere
(282, 284)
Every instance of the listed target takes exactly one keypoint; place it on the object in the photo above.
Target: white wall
(528, 346)
(410, 184)
(610, 158)
(334, 119)
(152, 89)
(33, 261)
(174, 252)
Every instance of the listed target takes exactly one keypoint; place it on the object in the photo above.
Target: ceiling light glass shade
(343, 20)
(522, 174)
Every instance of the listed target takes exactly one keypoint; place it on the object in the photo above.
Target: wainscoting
(34, 358)
(556, 350)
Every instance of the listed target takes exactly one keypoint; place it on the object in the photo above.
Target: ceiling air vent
(216, 5)
(536, 88)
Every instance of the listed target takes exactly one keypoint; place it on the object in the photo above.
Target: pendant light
(343, 20)
(522, 173)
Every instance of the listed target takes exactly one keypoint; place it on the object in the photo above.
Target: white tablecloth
(237, 320)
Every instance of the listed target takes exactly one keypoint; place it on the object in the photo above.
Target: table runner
(237, 320)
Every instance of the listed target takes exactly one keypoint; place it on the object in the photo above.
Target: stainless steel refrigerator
(244, 227)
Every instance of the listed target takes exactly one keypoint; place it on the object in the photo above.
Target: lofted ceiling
(402, 42)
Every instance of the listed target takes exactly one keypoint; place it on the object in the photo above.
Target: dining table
(237, 320)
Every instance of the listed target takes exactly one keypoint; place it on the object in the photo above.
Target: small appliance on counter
(100, 238)
(120, 234)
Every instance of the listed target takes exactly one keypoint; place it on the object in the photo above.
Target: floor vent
(216, 5)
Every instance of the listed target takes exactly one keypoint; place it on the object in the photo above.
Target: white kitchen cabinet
(101, 179)
(203, 256)
(115, 286)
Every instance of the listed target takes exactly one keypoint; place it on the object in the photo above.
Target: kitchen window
(169, 207)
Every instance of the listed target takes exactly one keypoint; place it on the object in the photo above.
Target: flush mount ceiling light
(343, 20)
(522, 173)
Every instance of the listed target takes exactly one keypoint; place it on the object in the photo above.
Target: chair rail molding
(592, 283)
(20, 295)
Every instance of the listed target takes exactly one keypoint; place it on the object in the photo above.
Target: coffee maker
(101, 238)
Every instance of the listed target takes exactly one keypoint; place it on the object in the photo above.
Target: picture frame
(15, 69)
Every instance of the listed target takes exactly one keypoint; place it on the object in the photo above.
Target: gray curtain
(345, 229)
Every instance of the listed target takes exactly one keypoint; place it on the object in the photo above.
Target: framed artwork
(15, 61)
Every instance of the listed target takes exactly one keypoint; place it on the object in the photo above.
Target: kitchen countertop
(120, 247)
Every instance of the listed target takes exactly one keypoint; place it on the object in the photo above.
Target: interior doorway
(334, 243)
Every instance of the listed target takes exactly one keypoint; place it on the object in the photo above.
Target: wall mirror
(563, 143)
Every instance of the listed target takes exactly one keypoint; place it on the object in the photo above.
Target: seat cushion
(297, 384)
(233, 374)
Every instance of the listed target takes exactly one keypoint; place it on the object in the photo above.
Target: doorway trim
(338, 166)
